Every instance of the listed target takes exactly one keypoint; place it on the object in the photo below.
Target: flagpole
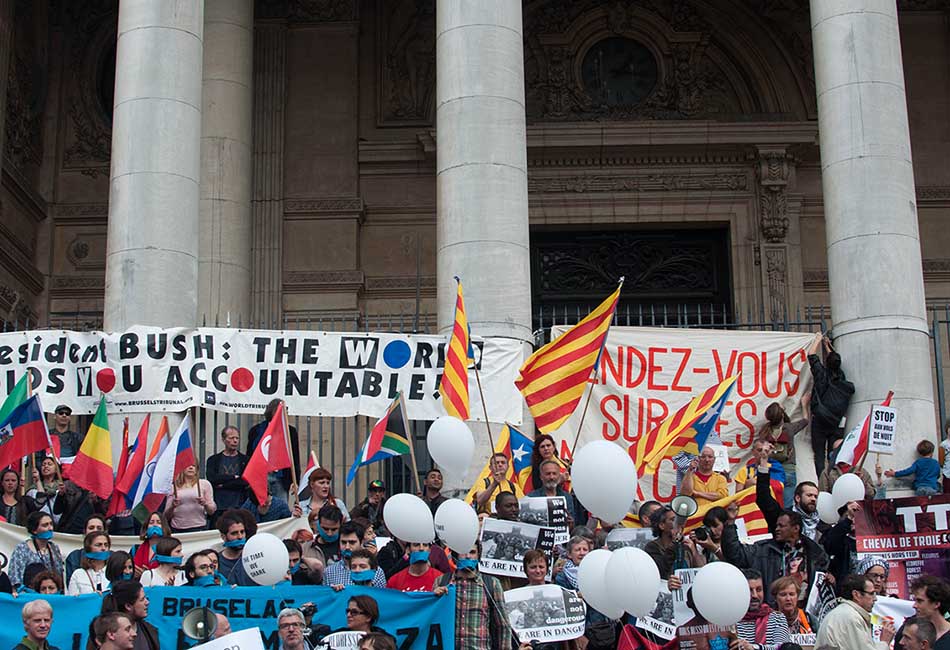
(293, 468)
(580, 424)
(29, 394)
(411, 439)
(478, 380)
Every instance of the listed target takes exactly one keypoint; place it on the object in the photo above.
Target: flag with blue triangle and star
(517, 447)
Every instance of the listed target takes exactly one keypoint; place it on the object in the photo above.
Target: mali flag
(92, 468)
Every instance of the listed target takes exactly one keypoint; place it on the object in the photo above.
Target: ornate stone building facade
(672, 141)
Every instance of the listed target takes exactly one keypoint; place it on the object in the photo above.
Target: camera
(702, 534)
(308, 610)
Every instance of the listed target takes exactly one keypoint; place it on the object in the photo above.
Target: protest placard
(550, 512)
(504, 544)
(545, 613)
(343, 640)
(249, 639)
(883, 429)
(693, 631)
(635, 537)
(660, 622)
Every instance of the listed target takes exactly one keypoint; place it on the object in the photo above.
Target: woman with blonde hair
(785, 592)
(191, 504)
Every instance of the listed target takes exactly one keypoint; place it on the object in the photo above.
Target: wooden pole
(580, 424)
(412, 445)
(291, 495)
(29, 393)
(478, 380)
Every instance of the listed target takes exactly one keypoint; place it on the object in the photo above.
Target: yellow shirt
(504, 486)
(715, 482)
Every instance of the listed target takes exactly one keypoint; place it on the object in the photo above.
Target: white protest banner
(343, 640)
(545, 613)
(504, 544)
(328, 374)
(647, 373)
(546, 511)
(11, 535)
(883, 429)
(249, 639)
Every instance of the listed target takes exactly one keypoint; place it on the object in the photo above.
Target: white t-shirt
(87, 581)
(151, 578)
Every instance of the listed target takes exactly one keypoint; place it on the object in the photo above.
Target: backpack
(832, 405)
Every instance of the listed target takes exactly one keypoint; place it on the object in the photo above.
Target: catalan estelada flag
(517, 447)
(92, 468)
(553, 379)
(458, 356)
(389, 437)
(686, 430)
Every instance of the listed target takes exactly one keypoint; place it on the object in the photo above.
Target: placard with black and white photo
(550, 512)
(504, 544)
(545, 613)
(635, 537)
(660, 621)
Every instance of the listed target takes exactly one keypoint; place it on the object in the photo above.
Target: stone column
(152, 251)
(482, 179)
(224, 242)
(874, 260)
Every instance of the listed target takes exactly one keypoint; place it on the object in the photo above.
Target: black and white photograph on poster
(546, 511)
(504, 544)
(545, 613)
(343, 640)
(692, 629)
(635, 537)
(660, 621)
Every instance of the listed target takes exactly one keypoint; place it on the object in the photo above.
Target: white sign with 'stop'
(882, 430)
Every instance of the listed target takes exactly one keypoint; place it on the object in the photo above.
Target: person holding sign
(480, 621)
(550, 486)
(701, 482)
(926, 471)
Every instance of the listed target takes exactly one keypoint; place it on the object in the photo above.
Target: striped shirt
(775, 635)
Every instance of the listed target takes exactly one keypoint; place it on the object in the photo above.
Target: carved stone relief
(652, 182)
(92, 38)
(772, 171)
(316, 11)
(406, 51)
(26, 94)
(776, 274)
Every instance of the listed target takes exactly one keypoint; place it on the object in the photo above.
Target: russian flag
(178, 455)
(23, 433)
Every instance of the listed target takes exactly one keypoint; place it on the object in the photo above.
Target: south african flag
(387, 439)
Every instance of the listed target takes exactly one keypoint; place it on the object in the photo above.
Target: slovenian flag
(387, 439)
(92, 468)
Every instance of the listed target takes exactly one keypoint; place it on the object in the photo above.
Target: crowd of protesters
(339, 548)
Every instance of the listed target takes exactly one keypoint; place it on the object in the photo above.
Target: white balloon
(456, 523)
(826, 508)
(633, 580)
(591, 582)
(451, 444)
(265, 559)
(409, 518)
(605, 480)
(848, 487)
(721, 593)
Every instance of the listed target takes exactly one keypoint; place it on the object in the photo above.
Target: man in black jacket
(224, 471)
(280, 480)
(830, 396)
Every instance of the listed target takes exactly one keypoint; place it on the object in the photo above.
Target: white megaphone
(199, 623)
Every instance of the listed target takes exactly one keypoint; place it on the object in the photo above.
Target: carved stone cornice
(400, 284)
(77, 286)
(86, 213)
(935, 270)
(308, 11)
(655, 182)
(342, 281)
(323, 207)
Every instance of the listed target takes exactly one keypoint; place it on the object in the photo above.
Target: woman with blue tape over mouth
(169, 556)
(90, 577)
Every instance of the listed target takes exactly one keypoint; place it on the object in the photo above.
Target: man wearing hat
(371, 508)
(69, 440)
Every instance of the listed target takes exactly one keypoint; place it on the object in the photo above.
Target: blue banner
(418, 620)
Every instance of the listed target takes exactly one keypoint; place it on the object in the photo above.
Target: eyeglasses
(355, 612)
(203, 567)
(869, 593)
(290, 626)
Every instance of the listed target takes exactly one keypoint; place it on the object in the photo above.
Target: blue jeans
(926, 491)
(788, 492)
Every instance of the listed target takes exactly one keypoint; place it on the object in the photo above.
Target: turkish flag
(271, 454)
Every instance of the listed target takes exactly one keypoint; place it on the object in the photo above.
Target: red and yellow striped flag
(553, 379)
(681, 431)
(458, 355)
(748, 511)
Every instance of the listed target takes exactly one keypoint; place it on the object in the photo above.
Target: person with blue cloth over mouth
(169, 556)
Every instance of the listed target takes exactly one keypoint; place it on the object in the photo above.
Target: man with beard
(762, 628)
(805, 501)
(550, 472)
(432, 490)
